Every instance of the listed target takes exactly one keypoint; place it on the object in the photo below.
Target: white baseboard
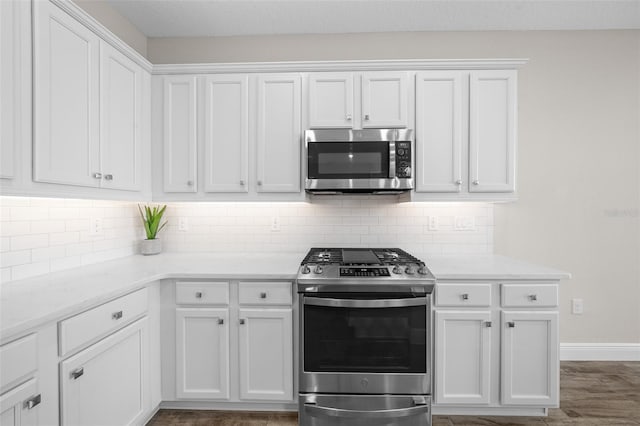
(600, 351)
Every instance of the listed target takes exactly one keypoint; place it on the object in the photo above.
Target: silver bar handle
(116, 315)
(378, 303)
(241, 321)
(533, 297)
(97, 175)
(465, 296)
(511, 324)
(220, 321)
(198, 295)
(32, 402)
(392, 159)
(263, 295)
(487, 324)
(321, 411)
(108, 177)
(78, 372)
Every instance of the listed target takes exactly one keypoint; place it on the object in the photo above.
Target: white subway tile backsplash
(30, 270)
(23, 242)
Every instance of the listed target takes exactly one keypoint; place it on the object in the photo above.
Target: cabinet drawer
(265, 293)
(202, 293)
(97, 322)
(525, 296)
(19, 359)
(463, 295)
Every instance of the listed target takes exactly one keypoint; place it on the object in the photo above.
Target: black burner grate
(319, 255)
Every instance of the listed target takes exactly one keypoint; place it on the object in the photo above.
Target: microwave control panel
(403, 159)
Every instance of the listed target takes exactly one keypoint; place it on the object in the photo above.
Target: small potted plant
(151, 218)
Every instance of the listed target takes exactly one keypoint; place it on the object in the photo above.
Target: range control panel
(403, 159)
(364, 272)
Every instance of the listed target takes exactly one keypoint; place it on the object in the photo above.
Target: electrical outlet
(433, 223)
(275, 224)
(464, 223)
(95, 226)
(577, 306)
(183, 224)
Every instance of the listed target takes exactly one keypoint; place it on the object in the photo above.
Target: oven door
(365, 344)
(351, 160)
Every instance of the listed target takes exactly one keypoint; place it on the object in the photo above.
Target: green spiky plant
(151, 218)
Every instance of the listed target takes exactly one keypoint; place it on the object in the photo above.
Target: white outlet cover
(275, 224)
(95, 226)
(464, 223)
(183, 224)
(433, 223)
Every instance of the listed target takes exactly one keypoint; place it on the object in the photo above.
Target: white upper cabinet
(492, 131)
(120, 120)
(278, 136)
(7, 88)
(226, 144)
(180, 136)
(385, 99)
(358, 100)
(331, 100)
(439, 132)
(66, 99)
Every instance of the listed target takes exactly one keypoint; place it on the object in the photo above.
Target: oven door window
(376, 340)
(347, 160)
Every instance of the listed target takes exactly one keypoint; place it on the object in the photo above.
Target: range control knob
(422, 270)
(396, 270)
(317, 270)
(410, 270)
(306, 269)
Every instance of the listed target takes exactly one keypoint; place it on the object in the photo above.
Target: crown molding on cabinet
(87, 20)
(317, 66)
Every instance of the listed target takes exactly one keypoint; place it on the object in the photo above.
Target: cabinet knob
(476, 182)
(241, 321)
(189, 183)
(459, 182)
(511, 324)
(198, 295)
(32, 402)
(220, 321)
(349, 117)
(263, 295)
(116, 315)
(241, 182)
(533, 297)
(97, 175)
(108, 177)
(366, 117)
(259, 183)
(465, 296)
(487, 324)
(78, 372)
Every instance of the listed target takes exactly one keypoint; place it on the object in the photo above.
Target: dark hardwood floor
(592, 393)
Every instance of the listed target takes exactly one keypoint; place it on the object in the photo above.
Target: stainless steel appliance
(375, 161)
(365, 338)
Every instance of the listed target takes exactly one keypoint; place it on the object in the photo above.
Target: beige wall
(579, 149)
(102, 12)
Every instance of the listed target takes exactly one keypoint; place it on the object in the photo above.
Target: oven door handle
(321, 411)
(366, 303)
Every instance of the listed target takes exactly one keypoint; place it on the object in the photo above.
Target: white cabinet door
(180, 137)
(266, 354)
(19, 406)
(439, 133)
(66, 104)
(202, 353)
(120, 120)
(331, 100)
(492, 131)
(105, 384)
(530, 358)
(8, 16)
(462, 357)
(278, 135)
(385, 99)
(226, 133)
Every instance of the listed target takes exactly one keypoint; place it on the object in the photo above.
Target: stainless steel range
(365, 338)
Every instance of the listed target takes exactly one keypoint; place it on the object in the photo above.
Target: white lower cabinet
(463, 357)
(530, 354)
(105, 383)
(202, 353)
(266, 354)
(19, 406)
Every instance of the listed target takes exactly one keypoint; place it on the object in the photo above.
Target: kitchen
(569, 147)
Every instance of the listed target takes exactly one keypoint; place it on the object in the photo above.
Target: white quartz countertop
(31, 303)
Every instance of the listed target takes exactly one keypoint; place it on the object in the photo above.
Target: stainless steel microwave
(374, 161)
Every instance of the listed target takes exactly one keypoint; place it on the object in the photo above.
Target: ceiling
(207, 18)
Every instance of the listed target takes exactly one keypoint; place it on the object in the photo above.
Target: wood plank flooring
(592, 393)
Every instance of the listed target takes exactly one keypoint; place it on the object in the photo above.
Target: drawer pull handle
(263, 295)
(116, 315)
(465, 296)
(487, 324)
(533, 297)
(220, 321)
(198, 295)
(511, 324)
(75, 374)
(32, 402)
(241, 321)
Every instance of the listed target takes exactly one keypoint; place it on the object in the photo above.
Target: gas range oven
(365, 338)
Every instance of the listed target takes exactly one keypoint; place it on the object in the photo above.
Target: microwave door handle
(379, 303)
(321, 411)
(392, 159)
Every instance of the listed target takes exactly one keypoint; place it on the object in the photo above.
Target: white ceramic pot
(149, 247)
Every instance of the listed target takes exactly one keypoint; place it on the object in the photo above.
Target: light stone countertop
(28, 304)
